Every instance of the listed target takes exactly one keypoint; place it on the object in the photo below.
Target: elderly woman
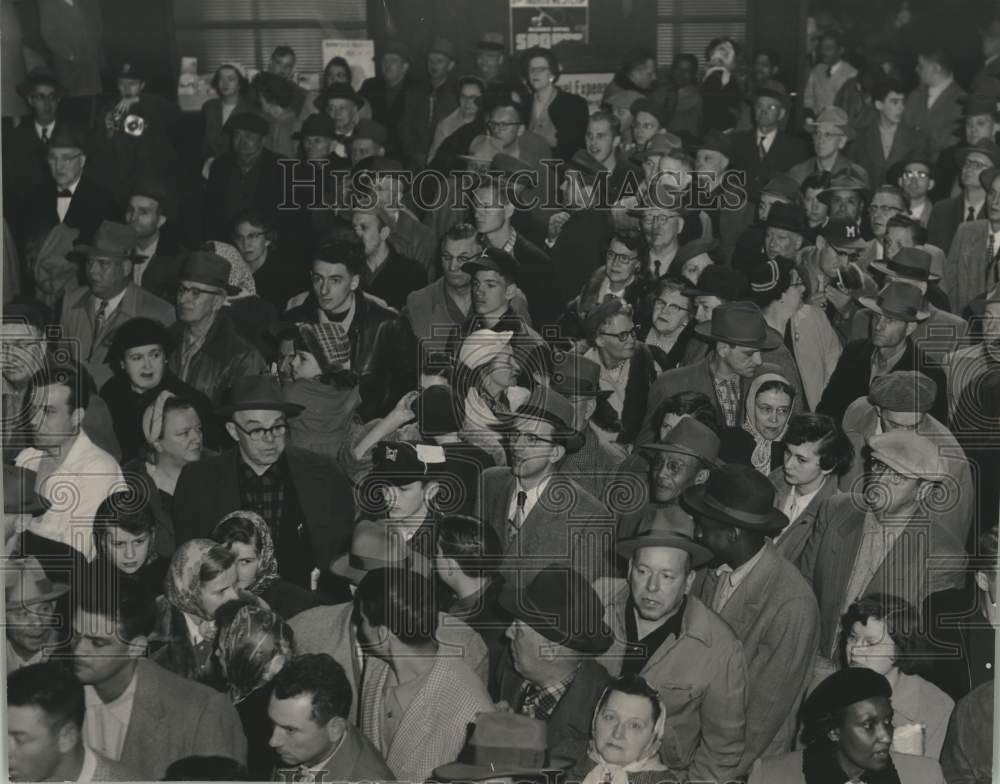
(881, 632)
(625, 736)
(671, 325)
(247, 536)
(138, 357)
(202, 577)
(768, 404)
(557, 116)
(847, 729)
(253, 644)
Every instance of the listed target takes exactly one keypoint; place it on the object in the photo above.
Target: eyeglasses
(672, 466)
(196, 294)
(530, 439)
(57, 159)
(796, 284)
(673, 307)
(655, 219)
(624, 337)
(647, 126)
(274, 432)
(538, 69)
(619, 258)
(447, 258)
(827, 135)
(885, 208)
(890, 474)
(251, 237)
(974, 164)
(850, 255)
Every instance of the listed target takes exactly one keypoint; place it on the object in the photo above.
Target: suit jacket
(787, 769)
(162, 270)
(774, 614)
(109, 770)
(25, 167)
(946, 216)
(793, 539)
(852, 378)
(387, 106)
(569, 114)
(861, 420)
(961, 638)
(173, 718)
(355, 760)
(568, 728)
(535, 271)
(940, 121)
(77, 321)
(866, 149)
(923, 559)
(702, 679)
(785, 152)
(91, 204)
(209, 489)
(328, 629)
(567, 525)
(968, 271)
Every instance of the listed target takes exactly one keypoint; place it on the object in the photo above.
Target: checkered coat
(450, 699)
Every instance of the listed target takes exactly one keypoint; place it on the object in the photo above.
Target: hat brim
(596, 643)
(682, 450)
(700, 555)
(802, 231)
(90, 251)
(58, 589)
(341, 567)
(871, 304)
(460, 771)
(694, 500)
(288, 409)
(881, 266)
(771, 339)
(229, 289)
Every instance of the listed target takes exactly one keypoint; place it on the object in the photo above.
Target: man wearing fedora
(541, 514)
(333, 629)
(831, 131)
(208, 353)
(766, 150)
(502, 746)
(972, 267)
(903, 400)
(739, 334)
(157, 256)
(673, 640)
(92, 313)
(969, 205)
(750, 245)
(549, 670)
(888, 140)
(898, 309)
(884, 539)
(762, 596)
(980, 122)
(785, 230)
(32, 627)
(303, 496)
(314, 737)
(426, 106)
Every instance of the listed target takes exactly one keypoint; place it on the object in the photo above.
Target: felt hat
(690, 437)
(979, 104)
(139, 331)
(841, 689)
(987, 147)
(258, 393)
(718, 142)
(208, 269)
(27, 584)
(790, 217)
(831, 118)
(737, 495)
(397, 47)
(40, 74)
(247, 121)
(337, 90)
(369, 129)
(719, 281)
(783, 185)
(666, 525)
(574, 375)
(437, 411)
(375, 544)
(19, 496)
(842, 181)
(111, 241)
(319, 124)
(68, 136)
(898, 301)
(442, 45)
(739, 324)
(501, 745)
(662, 143)
(491, 42)
(698, 247)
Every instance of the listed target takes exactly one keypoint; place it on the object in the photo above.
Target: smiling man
(303, 497)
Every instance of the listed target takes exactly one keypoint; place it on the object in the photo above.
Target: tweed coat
(774, 614)
(793, 539)
(968, 272)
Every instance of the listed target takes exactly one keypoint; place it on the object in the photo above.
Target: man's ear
(982, 582)
(160, 221)
(511, 291)
(137, 647)
(508, 210)
(689, 580)
(842, 142)
(911, 328)
(68, 737)
(560, 453)
(355, 282)
(930, 184)
(77, 417)
(701, 477)
(335, 729)
(231, 429)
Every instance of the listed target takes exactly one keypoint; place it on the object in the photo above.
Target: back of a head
(401, 600)
(320, 676)
(52, 688)
(119, 598)
(472, 544)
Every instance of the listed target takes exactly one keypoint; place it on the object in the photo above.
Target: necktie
(656, 266)
(972, 214)
(65, 194)
(514, 524)
(100, 317)
(760, 147)
(45, 135)
(991, 261)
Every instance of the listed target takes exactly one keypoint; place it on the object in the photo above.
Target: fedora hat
(442, 45)
(371, 130)
(111, 241)
(738, 495)
(545, 404)
(690, 437)
(662, 143)
(19, 496)
(40, 74)
(783, 185)
(987, 176)
(258, 393)
(899, 301)
(319, 124)
(739, 324)
(717, 142)
(26, 583)
(564, 608)
(574, 375)
(831, 117)
(375, 544)
(979, 104)
(790, 217)
(335, 91)
(844, 180)
(247, 121)
(698, 247)
(987, 147)
(665, 525)
(208, 269)
(912, 263)
(68, 136)
(501, 745)
(491, 42)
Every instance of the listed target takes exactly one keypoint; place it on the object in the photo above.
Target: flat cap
(907, 453)
(901, 390)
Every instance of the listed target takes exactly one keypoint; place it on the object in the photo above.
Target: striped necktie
(515, 523)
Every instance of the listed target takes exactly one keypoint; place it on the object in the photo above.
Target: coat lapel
(147, 715)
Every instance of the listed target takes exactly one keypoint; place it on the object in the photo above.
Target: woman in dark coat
(138, 357)
(557, 116)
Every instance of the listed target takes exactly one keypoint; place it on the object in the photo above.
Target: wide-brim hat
(737, 495)
(979, 104)
(717, 280)
(666, 525)
(111, 241)
(19, 496)
(491, 42)
(987, 176)
(544, 404)
(574, 375)
(912, 263)
(739, 324)
(690, 437)
(662, 143)
(258, 393)
(831, 117)
(718, 142)
(987, 147)
(374, 545)
(319, 124)
(698, 247)
(782, 185)
(208, 269)
(369, 129)
(445, 46)
(247, 121)
(69, 136)
(844, 181)
(898, 301)
(26, 583)
(564, 608)
(771, 89)
(789, 217)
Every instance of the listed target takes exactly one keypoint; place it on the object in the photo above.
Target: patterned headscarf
(267, 566)
(248, 643)
(240, 274)
(761, 457)
(649, 759)
(183, 582)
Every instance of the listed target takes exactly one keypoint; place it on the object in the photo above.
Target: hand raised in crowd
(556, 223)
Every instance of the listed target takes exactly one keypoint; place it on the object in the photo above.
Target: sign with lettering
(547, 22)
(589, 86)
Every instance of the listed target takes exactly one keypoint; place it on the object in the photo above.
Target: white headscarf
(604, 771)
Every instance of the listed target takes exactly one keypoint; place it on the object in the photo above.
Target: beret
(903, 391)
(843, 688)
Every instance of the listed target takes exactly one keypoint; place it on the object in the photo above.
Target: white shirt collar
(49, 128)
(767, 138)
(71, 188)
(150, 250)
(531, 496)
(89, 766)
(93, 699)
(802, 501)
(934, 92)
(606, 289)
(835, 67)
(113, 303)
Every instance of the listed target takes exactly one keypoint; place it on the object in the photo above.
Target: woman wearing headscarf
(768, 406)
(253, 644)
(247, 537)
(202, 577)
(625, 736)
(847, 731)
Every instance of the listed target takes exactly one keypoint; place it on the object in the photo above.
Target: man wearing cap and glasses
(208, 353)
(304, 497)
(898, 309)
(969, 205)
(762, 596)
(902, 400)
(91, 315)
(672, 638)
(885, 539)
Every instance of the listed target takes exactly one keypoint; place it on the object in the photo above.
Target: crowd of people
(427, 431)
